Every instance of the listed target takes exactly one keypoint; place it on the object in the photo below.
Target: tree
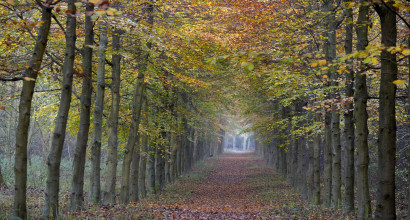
(95, 182)
(51, 206)
(386, 198)
(112, 149)
(361, 116)
(349, 129)
(77, 186)
(20, 164)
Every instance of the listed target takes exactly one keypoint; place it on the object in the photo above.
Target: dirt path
(239, 186)
(224, 194)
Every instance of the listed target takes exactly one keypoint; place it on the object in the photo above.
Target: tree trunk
(335, 116)
(95, 182)
(134, 172)
(408, 123)
(360, 117)
(309, 173)
(77, 197)
(159, 168)
(112, 161)
(132, 139)
(385, 203)
(57, 142)
(348, 117)
(20, 165)
(151, 170)
(143, 155)
(316, 164)
(327, 173)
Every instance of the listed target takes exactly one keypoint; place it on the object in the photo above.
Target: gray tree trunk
(316, 164)
(309, 173)
(142, 192)
(385, 202)
(348, 202)
(134, 172)
(95, 182)
(112, 148)
(408, 123)
(327, 173)
(77, 197)
(57, 142)
(132, 139)
(20, 164)
(151, 170)
(360, 117)
(335, 115)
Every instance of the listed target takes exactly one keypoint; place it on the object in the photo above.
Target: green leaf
(251, 67)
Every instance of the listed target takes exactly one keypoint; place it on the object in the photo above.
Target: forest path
(236, 186)
(225, 193)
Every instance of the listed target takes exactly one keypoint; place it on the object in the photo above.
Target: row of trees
(332, 94)
(167, 125)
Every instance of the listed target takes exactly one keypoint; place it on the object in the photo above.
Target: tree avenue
(106, 102)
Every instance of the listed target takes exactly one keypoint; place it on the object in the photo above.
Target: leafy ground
(233, 186)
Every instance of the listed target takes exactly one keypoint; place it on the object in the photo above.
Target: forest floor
(231, 186)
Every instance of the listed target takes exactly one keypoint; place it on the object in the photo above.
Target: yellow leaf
(324, 76)
(322, 62)
(406, 52)
(399, 82)
(341, 70)
(374, 61)
(314, 64)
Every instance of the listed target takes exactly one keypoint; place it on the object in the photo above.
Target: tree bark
(20, 164)
(348, 117)
(327, 173)
(95, 182)
(151, 170)
(77, 197)
(112, 149)
(316, 164)
(142, 192)
(57, 142)
(385, 202)
(360, 118)
(135, 172)
(132, 139)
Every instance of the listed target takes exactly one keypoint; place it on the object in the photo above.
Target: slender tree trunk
(132, 139)
(408, 123)
(309, 173)
(95, 182)
(77, 197)
(112, 161)
(57, 142)
(143, 155)
(151, 170)
(134, 172)
(385, 202)
(327, 173)
(316, 164)
(20, 164)
(348, 117)
(360, 118)
(159, 168)
(335, 115)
